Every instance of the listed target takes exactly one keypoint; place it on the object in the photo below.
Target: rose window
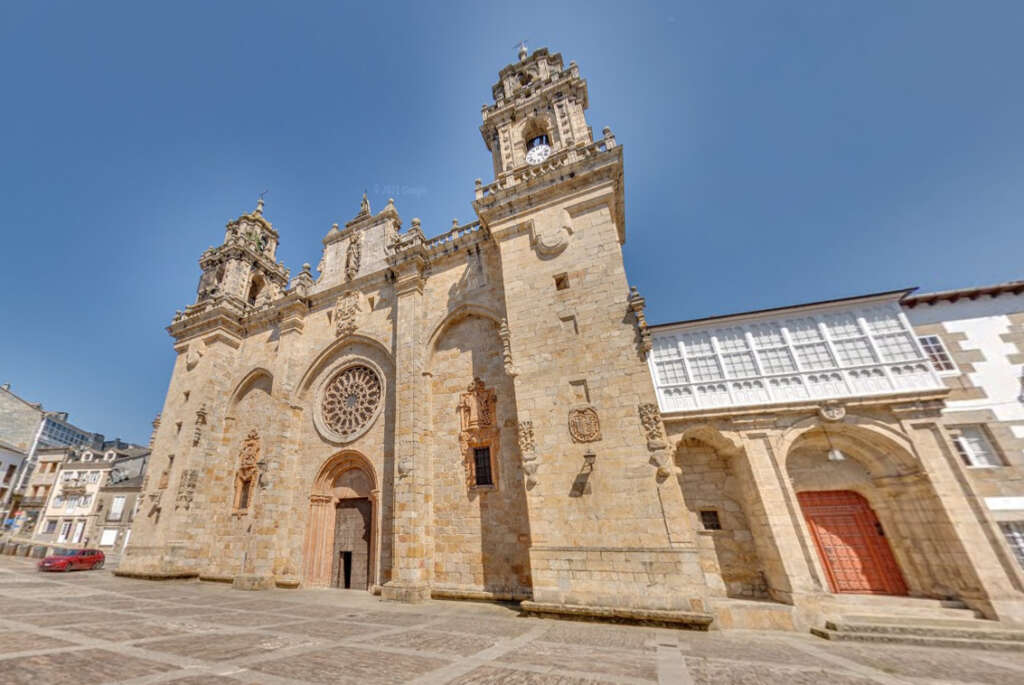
(350, 400)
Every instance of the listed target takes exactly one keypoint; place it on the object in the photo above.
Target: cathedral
(486, 414)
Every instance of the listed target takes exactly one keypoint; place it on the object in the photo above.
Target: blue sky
(775, 153)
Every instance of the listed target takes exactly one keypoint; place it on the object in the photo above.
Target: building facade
(821, 454)
(25, 428)
(487, 414)
(73, 509)
(429, 417)
(975, 338)
(116, 505)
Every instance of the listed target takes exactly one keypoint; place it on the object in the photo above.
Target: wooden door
(851, 543)
(351, 563)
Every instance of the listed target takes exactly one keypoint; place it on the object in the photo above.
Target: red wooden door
(851, 543)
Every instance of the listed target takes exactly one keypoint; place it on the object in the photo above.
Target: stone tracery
(351, 399)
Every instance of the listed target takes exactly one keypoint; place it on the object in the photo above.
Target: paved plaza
(92, 627)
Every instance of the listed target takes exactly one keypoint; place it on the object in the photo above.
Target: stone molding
(327, 376)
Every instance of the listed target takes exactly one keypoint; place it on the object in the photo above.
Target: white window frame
(1013, 532)
(970, 457)
(937, 341)
(108, 538)
(64, 532)
(116, 508)
(79, 530)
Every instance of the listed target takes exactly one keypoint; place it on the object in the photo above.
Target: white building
(975, 337)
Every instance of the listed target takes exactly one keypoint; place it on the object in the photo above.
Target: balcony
(805, 354)
(33, 502)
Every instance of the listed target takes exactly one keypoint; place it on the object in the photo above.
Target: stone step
(919, 640)
(924, 621)
(985, 631)
(892, 601)
(897, 612)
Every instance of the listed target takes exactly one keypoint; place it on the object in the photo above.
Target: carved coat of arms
(346, 314)
(584, 425)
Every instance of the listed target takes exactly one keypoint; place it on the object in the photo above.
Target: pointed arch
(328, 353)
(461, 312)
(255, 377)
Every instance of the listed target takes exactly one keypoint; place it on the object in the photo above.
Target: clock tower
(537, 111)
(599, 477)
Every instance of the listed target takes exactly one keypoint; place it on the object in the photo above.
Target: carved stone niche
(584, 424)
(247, 475)
(479, 431)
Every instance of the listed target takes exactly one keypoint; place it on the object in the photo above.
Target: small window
(109, 537)
(975, 448)
(937, 354)
(482, 464)
(243, 494)
(51, 526)
(87, 456)
(542, 139)
(709, 519)
(562, 282)
(1013, 531)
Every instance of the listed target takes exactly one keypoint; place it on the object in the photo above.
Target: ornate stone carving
(832, 411)
(249, 455)
(650, 418)
(186, 489)
(353, 256)
(506, 347)
(193, 356)
(479, 426)
(351, 400)
(528, 450)
(197, 432)
(346, 313)
(406, 465)
(584, 424)
(637, 304)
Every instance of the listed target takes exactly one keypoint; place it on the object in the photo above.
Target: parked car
(72, 559)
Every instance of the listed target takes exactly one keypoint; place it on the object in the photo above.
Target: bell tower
(538, 104)
(243, 269)
(578, 341)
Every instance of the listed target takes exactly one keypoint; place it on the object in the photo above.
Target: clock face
(538, 153)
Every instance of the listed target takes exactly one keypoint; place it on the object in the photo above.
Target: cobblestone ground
(91, 627)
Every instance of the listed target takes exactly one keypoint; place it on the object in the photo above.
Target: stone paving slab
(92, 627)
(351, 665)
(77, 668)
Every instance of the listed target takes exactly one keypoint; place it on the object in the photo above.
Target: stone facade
(819, 449)
(479, 391)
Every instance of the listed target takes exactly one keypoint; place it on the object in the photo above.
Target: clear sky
(775, 153)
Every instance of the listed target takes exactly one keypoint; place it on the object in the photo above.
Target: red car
(72, 559)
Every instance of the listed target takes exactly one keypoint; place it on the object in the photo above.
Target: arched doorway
(851, 543)
(341, 539)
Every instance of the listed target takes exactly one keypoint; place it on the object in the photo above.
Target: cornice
(527, 188)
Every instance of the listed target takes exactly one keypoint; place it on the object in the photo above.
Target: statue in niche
(479, 429)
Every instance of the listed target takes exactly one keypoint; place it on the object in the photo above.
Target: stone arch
(258, 377)
(888, 450)
(375, 349)
(717, 489)
(457, 314)
(346, 477)
(539, 124)
(481, 525)
(880, 466)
